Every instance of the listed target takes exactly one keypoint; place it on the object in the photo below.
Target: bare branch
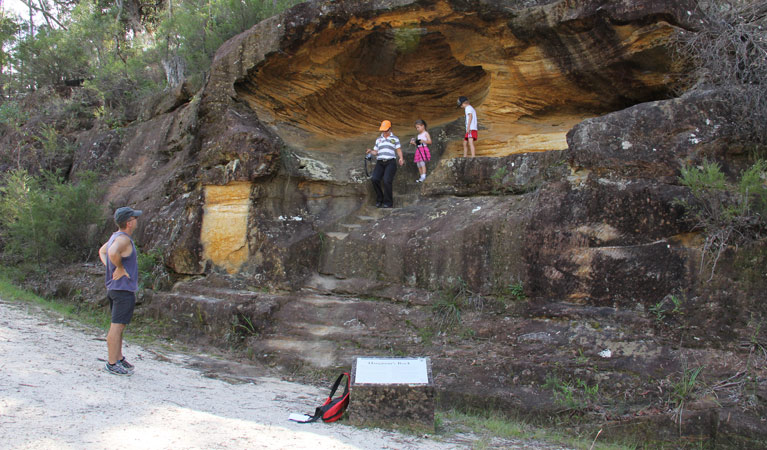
(48, 16)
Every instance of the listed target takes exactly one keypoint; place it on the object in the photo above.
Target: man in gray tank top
(119, 257)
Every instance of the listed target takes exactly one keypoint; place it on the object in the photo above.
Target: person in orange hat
(388, 153)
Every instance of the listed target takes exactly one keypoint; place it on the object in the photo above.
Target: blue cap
(124, 213)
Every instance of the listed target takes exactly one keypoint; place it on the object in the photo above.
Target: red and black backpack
(333, 408)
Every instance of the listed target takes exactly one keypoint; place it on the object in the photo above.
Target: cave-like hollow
(330, 92)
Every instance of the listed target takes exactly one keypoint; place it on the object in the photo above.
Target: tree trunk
(174, 67)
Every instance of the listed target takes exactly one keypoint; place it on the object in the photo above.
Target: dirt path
(54, 393)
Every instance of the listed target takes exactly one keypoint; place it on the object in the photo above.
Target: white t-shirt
(470, 110)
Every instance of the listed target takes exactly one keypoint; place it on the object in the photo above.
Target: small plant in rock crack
(677, 302)
(581, 358)
(728, 213)
(199, 316)
(670, 306)
(497, 179)
(757, 345)
(683, 391)
(517, 290)
(450, 302)
(447, 312)
(757, 348)
(241, 328)
(657, 311)
(243, 325)
(572, 395)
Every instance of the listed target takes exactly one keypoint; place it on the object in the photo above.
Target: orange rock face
(302, 95)
(225, 225)
(531, 75)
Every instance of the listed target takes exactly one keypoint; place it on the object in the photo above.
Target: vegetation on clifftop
(122, 51)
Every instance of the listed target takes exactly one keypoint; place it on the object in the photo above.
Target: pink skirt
(422, 153)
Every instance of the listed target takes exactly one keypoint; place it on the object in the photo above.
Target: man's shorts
(121, 303)
(473, 135)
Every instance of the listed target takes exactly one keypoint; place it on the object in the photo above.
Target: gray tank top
(131, 266)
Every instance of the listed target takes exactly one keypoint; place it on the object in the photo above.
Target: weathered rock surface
(654, 140)
(301, 93)
(514, 270)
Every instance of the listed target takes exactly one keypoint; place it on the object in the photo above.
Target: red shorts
(473, 135)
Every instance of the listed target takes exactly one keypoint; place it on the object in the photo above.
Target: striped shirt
(386, 146)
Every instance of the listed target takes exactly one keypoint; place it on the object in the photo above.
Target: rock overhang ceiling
(532, 73)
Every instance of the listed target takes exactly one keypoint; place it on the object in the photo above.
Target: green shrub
(151, 269)
(684, 391)
(44, 218)
(572, 395)
(51, 56)
(125, 54)
(517, 291)
(728, 213)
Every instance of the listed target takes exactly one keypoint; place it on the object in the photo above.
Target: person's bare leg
(465, 148)
(471, 144)
(115, 342)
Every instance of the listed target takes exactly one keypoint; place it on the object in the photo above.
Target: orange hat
(385, 125)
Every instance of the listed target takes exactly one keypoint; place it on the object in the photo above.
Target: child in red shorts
(471, 125)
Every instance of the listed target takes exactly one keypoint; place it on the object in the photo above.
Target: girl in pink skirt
(422, 153)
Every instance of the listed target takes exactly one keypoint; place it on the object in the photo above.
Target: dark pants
(383, 179)
(121, 303)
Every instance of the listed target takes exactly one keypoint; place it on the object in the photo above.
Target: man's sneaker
(124, 362)
(116, 369)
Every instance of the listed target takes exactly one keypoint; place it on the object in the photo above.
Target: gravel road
(54, 394)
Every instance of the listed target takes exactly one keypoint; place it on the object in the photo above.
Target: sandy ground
(54, 394)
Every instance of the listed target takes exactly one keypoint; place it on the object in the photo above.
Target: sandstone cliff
(256, 182)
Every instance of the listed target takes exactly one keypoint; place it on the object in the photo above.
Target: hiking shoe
(419, 181)
(116, 369)
(124, 362)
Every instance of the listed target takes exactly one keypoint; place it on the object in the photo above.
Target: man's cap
(124, 213)
(461, 100)
(385, 125)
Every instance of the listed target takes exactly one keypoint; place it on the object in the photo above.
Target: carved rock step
(367, 288)
(317, 353)
(213, 314)
(326, 331)
(366, 217)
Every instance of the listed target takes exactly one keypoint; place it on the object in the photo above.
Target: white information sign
(391, 371)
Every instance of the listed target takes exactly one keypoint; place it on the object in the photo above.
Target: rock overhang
(324, 74)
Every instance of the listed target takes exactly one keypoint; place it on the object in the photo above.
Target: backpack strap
(338, 383)
(332, 409)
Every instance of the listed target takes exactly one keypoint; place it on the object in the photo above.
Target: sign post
(392, 392)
